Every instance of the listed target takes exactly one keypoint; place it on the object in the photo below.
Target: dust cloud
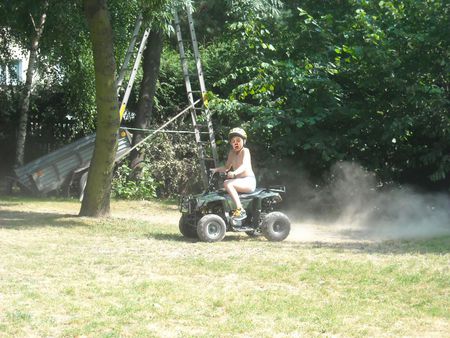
(354, 207)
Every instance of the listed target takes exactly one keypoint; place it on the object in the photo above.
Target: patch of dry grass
(134, 275)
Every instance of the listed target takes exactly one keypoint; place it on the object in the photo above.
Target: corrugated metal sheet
(51, 171)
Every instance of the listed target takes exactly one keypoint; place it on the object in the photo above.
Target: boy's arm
(246, 163)
(224, 168)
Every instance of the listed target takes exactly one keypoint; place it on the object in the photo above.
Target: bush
(173, 161)
(170, 168)
(125, 187)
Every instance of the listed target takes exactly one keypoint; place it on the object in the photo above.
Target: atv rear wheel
(211, 228)
(276, 226)
(186, 229)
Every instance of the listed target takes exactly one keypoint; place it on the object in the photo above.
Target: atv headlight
(184, 205)
(187, 204)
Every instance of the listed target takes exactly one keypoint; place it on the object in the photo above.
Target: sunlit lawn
(134, 275)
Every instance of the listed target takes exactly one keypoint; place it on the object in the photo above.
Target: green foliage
(360, 81)
(313, 82)
(173, 161)
(125, 187)
(170, 168)
(170, 93)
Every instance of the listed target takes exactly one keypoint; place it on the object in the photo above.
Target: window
(12, 73)
(2, 75)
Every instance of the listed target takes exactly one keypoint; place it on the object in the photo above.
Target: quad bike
(207, 216)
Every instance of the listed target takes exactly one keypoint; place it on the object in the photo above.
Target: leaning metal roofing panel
(51, 171)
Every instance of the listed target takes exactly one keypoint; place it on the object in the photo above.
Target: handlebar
(212, 173)
(213, 179)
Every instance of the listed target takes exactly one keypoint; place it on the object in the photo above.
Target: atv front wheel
(276, 226)
(186, 229)
(211, 228)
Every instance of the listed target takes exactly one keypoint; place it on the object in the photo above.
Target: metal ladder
(201, 112)
(126, 61)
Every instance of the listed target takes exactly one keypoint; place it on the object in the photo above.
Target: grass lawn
(133, 275)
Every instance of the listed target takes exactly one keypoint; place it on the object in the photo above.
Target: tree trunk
(96, 201)
(25, 105)
(151, 63)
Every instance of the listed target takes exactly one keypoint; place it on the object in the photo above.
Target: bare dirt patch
(312, 232)
(363, 233)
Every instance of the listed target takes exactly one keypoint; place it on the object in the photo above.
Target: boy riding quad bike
(208, 216)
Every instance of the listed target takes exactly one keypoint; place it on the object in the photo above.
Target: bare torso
(240, 161)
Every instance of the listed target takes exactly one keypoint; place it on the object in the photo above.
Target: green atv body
(207, 216)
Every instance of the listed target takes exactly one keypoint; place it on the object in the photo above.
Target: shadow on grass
(8, 204)
(437, 245)
(181, 238)
(169, 237)
(29, 220)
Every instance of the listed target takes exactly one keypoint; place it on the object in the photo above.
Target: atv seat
(251, 194)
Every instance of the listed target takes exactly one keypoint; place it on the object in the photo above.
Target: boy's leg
(229, 187)
(232, 187)
(246, 184)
